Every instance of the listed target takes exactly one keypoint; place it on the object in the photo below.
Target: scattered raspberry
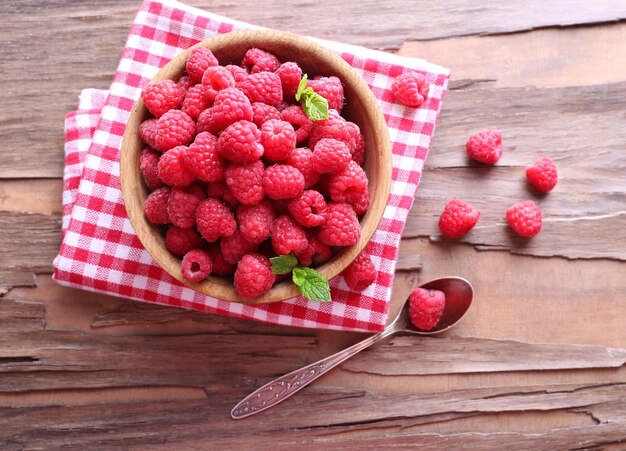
(316, 253)
(180, 241)
(162, 96)
(458, 218)
(362, 204)
(148, 131)
(240, 142)
(525, 218)
(263, 87)
(358, 154)
(330, 155)
(236, 246)
(219, 191)
(149, 166)
(202, 159)
(256, 221)
(542, 174)
(196, 101)
(361, 273)
(238, 73)
(214, 220)
(301, 158)
(282, 181)
(262, 113)
(278, 139)
(308, 209)
(155, 206)
(220, 266)
(215, 79)
(200, 59)
(185, 83)
(410, 88)
(330, 88)
(245, 182)
(426, 307)
(257, 60)
(182, 205)
(348, 185)
(485, 147)
(253, 276)
(342, 227)
(288, 236)
(174, 128)
(196, 265)
(172, 169)
(290, 75)
(299, 120)
(231, 105)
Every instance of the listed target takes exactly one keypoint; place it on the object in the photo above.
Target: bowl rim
(132, 186)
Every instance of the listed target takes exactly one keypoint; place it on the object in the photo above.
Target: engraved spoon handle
(283, 387)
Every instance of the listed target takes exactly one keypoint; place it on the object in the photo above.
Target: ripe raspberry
(485, 147)
(196, 101)
(342, 227)
(238, 73)
(200, 59)
(262, 113)
(335, 127)
(149, 166)
(301, 158)
(361, 273)
(316, 253)
(174, 128)
(358, 154)
(330, 155)
(288, 236)
(542, 174)
(282, 105)
(299, 120)
(458, 218)
(220, 266)
(196, 265)
(162, 96)
(240, 142)
(426, 307)
(263, 87)
(362, 204)
(180, 241)
(219, 191)
(348, 185)
(214, 220)
(257, 60)
(256, 221)
(525, 218)
(278, 139)
(282, 181)
(245, 182)
(308, 209)
(410, 88)
(236, 246)
(215, 79)
(290, 75)
(155, 206)
(253, 276)
(330, 88)
(202, 159)
(172, 169)
(185, 83)
(231, 105)
(182, 205)
(148, 131)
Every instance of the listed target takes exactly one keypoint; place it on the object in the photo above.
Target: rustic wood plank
(10, 278)
(41, 196)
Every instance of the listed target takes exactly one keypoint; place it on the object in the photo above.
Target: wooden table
(537, 363)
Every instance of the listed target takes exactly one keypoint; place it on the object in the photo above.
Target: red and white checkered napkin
(100, 251)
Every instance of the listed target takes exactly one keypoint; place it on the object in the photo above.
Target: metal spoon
(459, 295)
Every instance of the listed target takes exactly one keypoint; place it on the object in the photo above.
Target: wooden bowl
(360, 107)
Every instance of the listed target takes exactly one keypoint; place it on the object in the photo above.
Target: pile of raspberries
(238, 173)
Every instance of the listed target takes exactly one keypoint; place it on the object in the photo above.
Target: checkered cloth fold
(100, 251)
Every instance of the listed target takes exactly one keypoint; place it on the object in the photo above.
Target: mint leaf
(301, 87)
(283, 264)
(316, 108)
(312, 284)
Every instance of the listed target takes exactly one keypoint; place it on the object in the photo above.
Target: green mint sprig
(314, 105)
(311, 283)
